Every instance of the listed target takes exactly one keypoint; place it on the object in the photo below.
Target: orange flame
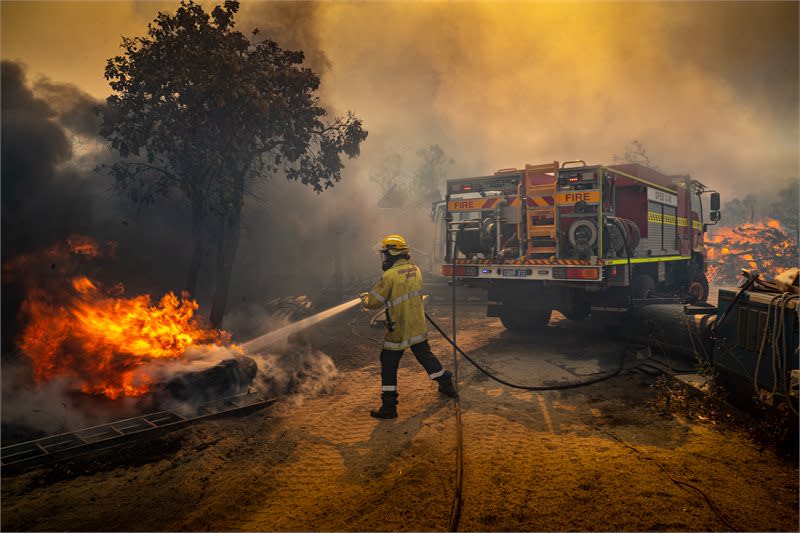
(101, 339)
(82, 245)
(766, 247)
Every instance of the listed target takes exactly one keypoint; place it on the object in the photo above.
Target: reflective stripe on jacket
(400, 291)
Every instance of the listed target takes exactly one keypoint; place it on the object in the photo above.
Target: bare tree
(390, 178)
(432, 171)
(635, 152)
(421, 187)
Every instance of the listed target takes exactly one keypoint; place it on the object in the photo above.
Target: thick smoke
(51, 191)
(500, 86)
(43, 200)
(710, 89)
(290, 24)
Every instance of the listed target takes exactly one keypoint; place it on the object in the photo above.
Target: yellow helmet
(394, 244)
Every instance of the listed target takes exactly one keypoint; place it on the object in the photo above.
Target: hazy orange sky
(710, 88)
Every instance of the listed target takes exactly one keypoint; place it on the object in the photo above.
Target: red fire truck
(576, 237)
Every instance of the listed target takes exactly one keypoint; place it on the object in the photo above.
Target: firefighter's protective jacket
(400, 290)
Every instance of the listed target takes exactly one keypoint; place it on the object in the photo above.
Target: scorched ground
(586, 459)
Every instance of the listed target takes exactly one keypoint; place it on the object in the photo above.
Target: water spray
(273, 337)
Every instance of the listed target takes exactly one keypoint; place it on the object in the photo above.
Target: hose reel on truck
(476, 236)
(489, 234)
(583, 237)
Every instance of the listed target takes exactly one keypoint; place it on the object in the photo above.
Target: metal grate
(55, 447)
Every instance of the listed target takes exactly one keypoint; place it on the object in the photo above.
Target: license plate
(515, 272)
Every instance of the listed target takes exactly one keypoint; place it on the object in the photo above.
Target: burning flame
(104, 340)
(766, 247)
(82, 245)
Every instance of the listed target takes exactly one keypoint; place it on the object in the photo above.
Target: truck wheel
(524, 320)
(698, 288)
(575, 306)
(577, 311)
(645, 284)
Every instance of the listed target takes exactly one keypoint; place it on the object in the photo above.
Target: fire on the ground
(766, 246)
(98, 337)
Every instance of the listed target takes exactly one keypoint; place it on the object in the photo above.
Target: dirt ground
(602, 457)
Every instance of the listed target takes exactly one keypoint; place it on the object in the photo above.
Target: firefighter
(400, 291)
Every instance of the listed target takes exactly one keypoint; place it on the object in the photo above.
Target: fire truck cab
(574, 237)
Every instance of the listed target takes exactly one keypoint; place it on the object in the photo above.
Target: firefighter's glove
(363, 296)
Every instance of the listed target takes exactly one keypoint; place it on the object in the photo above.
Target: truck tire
(698, 287)
(645, 284)
(524, 321)
(577, 311)
(574, 305)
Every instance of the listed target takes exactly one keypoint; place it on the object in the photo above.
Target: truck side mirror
(715, 202)
(714, 216)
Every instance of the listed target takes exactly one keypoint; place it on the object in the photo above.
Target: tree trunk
(226, 252)
(198, 242)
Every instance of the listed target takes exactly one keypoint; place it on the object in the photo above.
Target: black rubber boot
(446, 384)
(388, 406)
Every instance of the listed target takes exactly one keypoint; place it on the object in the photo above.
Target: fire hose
(455, 512)
(559, 386)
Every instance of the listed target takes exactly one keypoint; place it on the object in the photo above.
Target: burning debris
(86, 353)
(767, 247)
(92, 349)
(294, 307)
(227, 378)
(104, 342)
